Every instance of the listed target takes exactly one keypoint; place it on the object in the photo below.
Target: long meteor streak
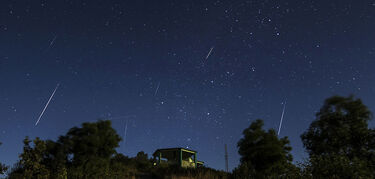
(120, 117)
(209, 53)
(157, 88)
(126, 128)
(52, 41)
(45, 107)
(281, 120)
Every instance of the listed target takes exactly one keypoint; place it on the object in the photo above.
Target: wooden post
(195, 159)
(159, 157)
(180, 157)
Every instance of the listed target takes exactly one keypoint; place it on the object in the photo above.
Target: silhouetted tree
(89, 152)
(341, 127)
(90, 148)
(143, 163)
(141, 156)
(263, 154)
(31, 164)
(82, 153)
(122, 166)
(3, 168)
(336, 166)
(56, 159)
(340, 133)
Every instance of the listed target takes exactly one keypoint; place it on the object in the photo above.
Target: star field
(180, 73)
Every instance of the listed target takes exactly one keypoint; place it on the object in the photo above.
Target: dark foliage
(89, 152)
(82, 153)
(336, 166)
(263, 154)
(339, 142)
(31, 164)
(89, 148)
(3, 168)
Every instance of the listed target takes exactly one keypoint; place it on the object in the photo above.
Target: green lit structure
(177, 156)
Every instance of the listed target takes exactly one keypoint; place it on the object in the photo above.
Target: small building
(177, 156)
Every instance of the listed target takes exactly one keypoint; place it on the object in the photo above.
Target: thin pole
(226, 159)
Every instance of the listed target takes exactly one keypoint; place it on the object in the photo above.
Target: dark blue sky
(147, 60)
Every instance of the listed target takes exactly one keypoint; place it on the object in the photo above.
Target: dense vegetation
(338, 141)
(3, 168)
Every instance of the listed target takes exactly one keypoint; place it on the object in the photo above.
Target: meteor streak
(281, 120)
(52, 41)
(126, 128)
(157, 88)
(209, 53)
(45, 107)
(120, 117)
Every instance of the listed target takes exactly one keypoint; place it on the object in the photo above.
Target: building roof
(200, 162)
(177, 148)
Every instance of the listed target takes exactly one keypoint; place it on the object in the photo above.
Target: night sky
(179, 73)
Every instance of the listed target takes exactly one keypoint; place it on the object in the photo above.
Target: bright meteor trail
(281, 120)
(126, 128)
(45, 107)
(209, 53)
(157, 88)
(52, 41)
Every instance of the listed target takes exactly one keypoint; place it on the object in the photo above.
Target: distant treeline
(338, 141)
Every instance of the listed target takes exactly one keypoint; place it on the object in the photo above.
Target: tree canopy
(97, 139)
(262, 152)
(341, 127)
(84, 152)
(340, 134)
(339, 142)
(3, 168)
(31, 164)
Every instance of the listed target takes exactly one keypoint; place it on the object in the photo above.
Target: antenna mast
(226, 159)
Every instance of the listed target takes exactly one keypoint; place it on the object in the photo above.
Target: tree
(340, 133)
(122, 167)
(3, 168)
(341, 127)
(56, 159)
(141, 156)
(263, 154)
(89, 149)
(336, 166)
(31, 161)
(143, 163)
(82, 153)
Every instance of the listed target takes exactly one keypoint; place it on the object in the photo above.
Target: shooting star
(120, 117)
(126, 128)
(209, 53)
(157, 88)
(45, 107)
(52, 41)
(281, 120)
